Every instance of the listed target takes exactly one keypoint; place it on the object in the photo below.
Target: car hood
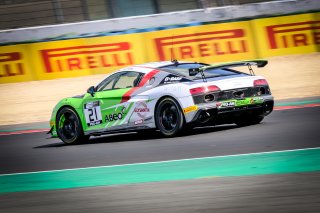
(78, 96)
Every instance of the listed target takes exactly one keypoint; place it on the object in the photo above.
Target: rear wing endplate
(259, 63)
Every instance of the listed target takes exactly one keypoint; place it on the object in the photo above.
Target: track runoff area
(275, 162)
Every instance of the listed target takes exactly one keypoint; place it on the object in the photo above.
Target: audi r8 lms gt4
(168, 96)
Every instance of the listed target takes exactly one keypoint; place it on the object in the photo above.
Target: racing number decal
(228, 104)
(92, 113)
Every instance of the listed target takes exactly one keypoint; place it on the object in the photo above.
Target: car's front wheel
(69, 127)
(169, 117)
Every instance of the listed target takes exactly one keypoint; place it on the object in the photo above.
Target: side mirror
(193, 71)
(91, 90)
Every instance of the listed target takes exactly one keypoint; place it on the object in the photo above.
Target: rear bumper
(215, 114)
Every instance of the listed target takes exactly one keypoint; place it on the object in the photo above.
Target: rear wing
(259, 63)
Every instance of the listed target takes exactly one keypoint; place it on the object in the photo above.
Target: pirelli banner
(286, 35)
(79, 57)
(260, 38)
(16, 64)
(207, 43)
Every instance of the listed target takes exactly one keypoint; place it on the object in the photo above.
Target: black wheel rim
(169, 116)
(68, 126)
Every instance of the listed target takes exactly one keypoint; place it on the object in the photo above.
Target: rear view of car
(224, 95)
(168, 96)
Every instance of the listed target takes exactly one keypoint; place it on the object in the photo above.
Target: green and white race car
(169, 96)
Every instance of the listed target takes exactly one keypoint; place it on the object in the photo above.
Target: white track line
(157, 162)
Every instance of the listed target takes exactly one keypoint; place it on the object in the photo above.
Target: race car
(168, 96)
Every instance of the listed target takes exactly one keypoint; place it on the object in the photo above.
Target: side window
(128, 80)
(120, 81)
(108, 83)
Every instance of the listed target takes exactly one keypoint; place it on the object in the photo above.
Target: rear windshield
(183, 70)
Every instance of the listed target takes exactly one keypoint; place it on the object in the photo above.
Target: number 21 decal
(92, 113)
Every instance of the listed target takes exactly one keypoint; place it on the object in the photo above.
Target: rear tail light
(260, 82)
(213, 88)
(198, 90)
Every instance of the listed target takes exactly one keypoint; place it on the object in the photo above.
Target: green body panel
(241, 102)
(75, 103)
(109, 104)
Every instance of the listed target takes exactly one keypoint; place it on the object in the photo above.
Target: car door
(108, 108)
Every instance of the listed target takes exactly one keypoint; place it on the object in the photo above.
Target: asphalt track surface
(282, 130)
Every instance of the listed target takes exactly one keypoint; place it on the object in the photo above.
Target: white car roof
(155, 64)
(147, 67)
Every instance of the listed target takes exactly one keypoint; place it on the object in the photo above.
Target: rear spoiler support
(195, 71)
(249, 63)
(250, 70)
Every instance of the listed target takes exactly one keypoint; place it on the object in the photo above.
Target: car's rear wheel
(69, 127)
(169, 117)
(249, 120)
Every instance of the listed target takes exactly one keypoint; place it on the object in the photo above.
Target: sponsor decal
(138, 122)
(239, 102)
(190, 109)
(243, 102)
(92, 113)
(87, 57)
(173, 79)
(116, 116)
(257, 100)
(293, 34)
(228, 104)
(142, 109)
(10, 64)
(195, 45)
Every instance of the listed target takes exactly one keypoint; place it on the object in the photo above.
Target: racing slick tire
(69, 127)
(169, 117)
(251, 120)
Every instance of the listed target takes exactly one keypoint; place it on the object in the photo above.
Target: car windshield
(183, 70)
